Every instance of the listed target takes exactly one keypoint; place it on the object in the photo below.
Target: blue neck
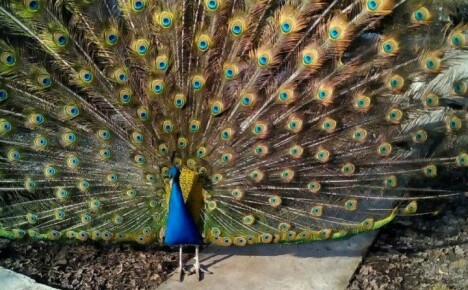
(180, 228)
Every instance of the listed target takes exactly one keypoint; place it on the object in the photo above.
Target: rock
(459, 251)
(62, 261)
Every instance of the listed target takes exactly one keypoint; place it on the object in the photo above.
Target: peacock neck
(180, 228)
(176, 191)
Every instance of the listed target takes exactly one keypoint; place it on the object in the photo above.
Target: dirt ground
(90, 266)
(426, 252)
(419, 253)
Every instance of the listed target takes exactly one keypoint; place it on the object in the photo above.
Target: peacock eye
(162, 63)
(13, 155)
(230, 71)
(226, 157)
(247, 100)
(430, 100)
(462, 160)
(421, 15)
(168, 126)
(3, 95)
(197, 82)
(138, 5)
(203, 45)
(372, 5)
(112, 38)
(203, 42)
(163, 149)
(430, 64)
(74, 160)
(307, 59)
(141, 46)
(182, 143)
(322, 155)
(104, 134)
(237, 27)
(112, 177)
(143, 113)
(194, 126)
(460, 88)
(259, 128)
(388, 47)
(165, 19)
(86, 76)
(60, 39)
(179, 101)
(44, 80)
(37, 119)
(8, 59)
(130, 193)
(457, 39)
(216, 178)
(335, 33)
(286, 25)
(137, 137)
(217, 108)
(226, 134)
(328, 125)
(201, 152)
(263, 59)
(283, 95)
(139, 159)
(120, 76)
(212, 5)
(454, 123)
(32, 5)
(157, 86)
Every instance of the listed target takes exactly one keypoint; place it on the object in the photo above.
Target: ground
(90, 266)
(424, 252)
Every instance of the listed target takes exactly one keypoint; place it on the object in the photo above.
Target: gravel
(423, 252)
(90, 266)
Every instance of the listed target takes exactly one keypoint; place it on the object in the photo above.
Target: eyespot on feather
(421, 16)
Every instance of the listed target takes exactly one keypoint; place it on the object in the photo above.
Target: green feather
(291, 121)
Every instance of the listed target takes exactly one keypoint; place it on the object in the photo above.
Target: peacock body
(231, 122)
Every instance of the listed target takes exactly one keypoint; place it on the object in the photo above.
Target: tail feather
(305, 120)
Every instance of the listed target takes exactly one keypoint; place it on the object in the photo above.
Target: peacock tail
(291, 121)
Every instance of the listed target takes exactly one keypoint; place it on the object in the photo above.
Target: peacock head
(174, 173)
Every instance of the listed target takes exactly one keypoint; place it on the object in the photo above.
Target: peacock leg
(197, 263)
(198, 268)
(181, 265)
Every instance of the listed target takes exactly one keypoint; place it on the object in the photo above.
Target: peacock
(229, 122)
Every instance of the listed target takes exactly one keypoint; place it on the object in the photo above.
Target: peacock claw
(199, 270)
(196, 267)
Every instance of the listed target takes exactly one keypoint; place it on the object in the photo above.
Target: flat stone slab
(10, 280)
(320, 265)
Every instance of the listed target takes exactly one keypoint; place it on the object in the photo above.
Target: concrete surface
(321, 266)
(10, 280)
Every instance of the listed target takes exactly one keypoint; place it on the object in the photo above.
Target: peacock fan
(231, 122)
